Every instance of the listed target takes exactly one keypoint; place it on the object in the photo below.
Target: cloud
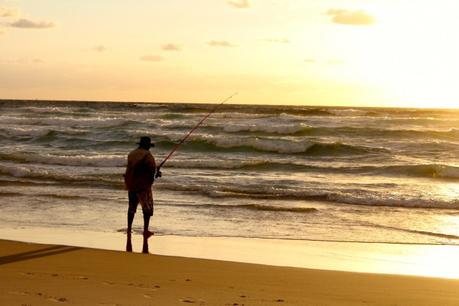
(335, 61)
(151, 58)
(277, 40)
(310, 61)
(7, 12)
(342, 16)
(221, 43)
(100, 48)
(241, 4)
(22, 61)
(24, 23)
(171, 47)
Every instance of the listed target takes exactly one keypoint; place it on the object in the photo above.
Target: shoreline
(417, 260)
(39, 274)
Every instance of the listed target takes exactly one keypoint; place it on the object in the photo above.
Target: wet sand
(378, 258)
(38, 274)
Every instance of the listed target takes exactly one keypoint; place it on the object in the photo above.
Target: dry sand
(37, 274)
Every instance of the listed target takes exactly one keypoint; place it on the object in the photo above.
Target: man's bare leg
(129, 232)
(146, 223)
(129, 243)
(130, 220)
(145, 245)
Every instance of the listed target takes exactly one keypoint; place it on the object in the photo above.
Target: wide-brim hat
(145, 141)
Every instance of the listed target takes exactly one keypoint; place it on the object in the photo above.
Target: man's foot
(129, 244)
(147, 234)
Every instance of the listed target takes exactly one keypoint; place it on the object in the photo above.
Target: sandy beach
(39, 274)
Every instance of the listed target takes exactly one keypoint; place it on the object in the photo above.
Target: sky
(309, 52)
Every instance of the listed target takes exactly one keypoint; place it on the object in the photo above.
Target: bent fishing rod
(193, 129)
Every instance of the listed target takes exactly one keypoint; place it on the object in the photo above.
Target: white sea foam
(262, 144)
(88, 122)
(83, 160)
(11, 120)
(64, 121)
(291, 117)
(349, 112)
(24, 171)
(64, 176)
(46, 110)
(213, 164)
(24, 131)
(99, 160)
(267, 127)
(37, 131)
(342, 196)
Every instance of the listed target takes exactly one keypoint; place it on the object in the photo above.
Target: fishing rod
(193, 129)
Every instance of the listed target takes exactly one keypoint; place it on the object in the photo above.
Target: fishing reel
(158, 173)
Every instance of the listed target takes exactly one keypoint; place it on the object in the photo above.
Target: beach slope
(38, 274)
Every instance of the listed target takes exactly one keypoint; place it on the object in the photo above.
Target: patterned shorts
(145, 197)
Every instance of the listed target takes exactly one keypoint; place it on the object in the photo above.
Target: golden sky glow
(328, 52)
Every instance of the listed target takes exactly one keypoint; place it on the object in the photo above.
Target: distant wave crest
(210, 143)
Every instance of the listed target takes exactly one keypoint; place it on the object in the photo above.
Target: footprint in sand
(155, 287)
(43, 295)
(108, 283)
(187, 300)
(58, 300)
(27, 273)
(18, 293)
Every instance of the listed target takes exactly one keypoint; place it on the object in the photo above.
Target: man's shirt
(140, 170)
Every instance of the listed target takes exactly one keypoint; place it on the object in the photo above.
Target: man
(140, 174)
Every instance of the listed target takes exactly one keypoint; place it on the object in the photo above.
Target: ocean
(273, 172)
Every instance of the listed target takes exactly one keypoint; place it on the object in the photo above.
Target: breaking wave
(274, 145)
(425, 171)
(66, 160)
(256, 207)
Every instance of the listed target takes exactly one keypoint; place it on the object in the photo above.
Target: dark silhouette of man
(139, 176)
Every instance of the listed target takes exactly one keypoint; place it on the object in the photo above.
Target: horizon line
(228, 103)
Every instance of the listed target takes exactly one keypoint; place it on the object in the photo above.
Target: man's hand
(158, 173)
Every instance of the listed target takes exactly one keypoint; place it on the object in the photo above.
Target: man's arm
(150, 161)
(152, 165)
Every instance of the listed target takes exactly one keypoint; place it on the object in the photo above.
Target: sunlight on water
(429, 261)
(448, 225)
(450, 191)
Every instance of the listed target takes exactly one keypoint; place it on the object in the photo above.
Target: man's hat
(145, 142)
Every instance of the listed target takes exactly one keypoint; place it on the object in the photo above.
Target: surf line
(175, 148)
